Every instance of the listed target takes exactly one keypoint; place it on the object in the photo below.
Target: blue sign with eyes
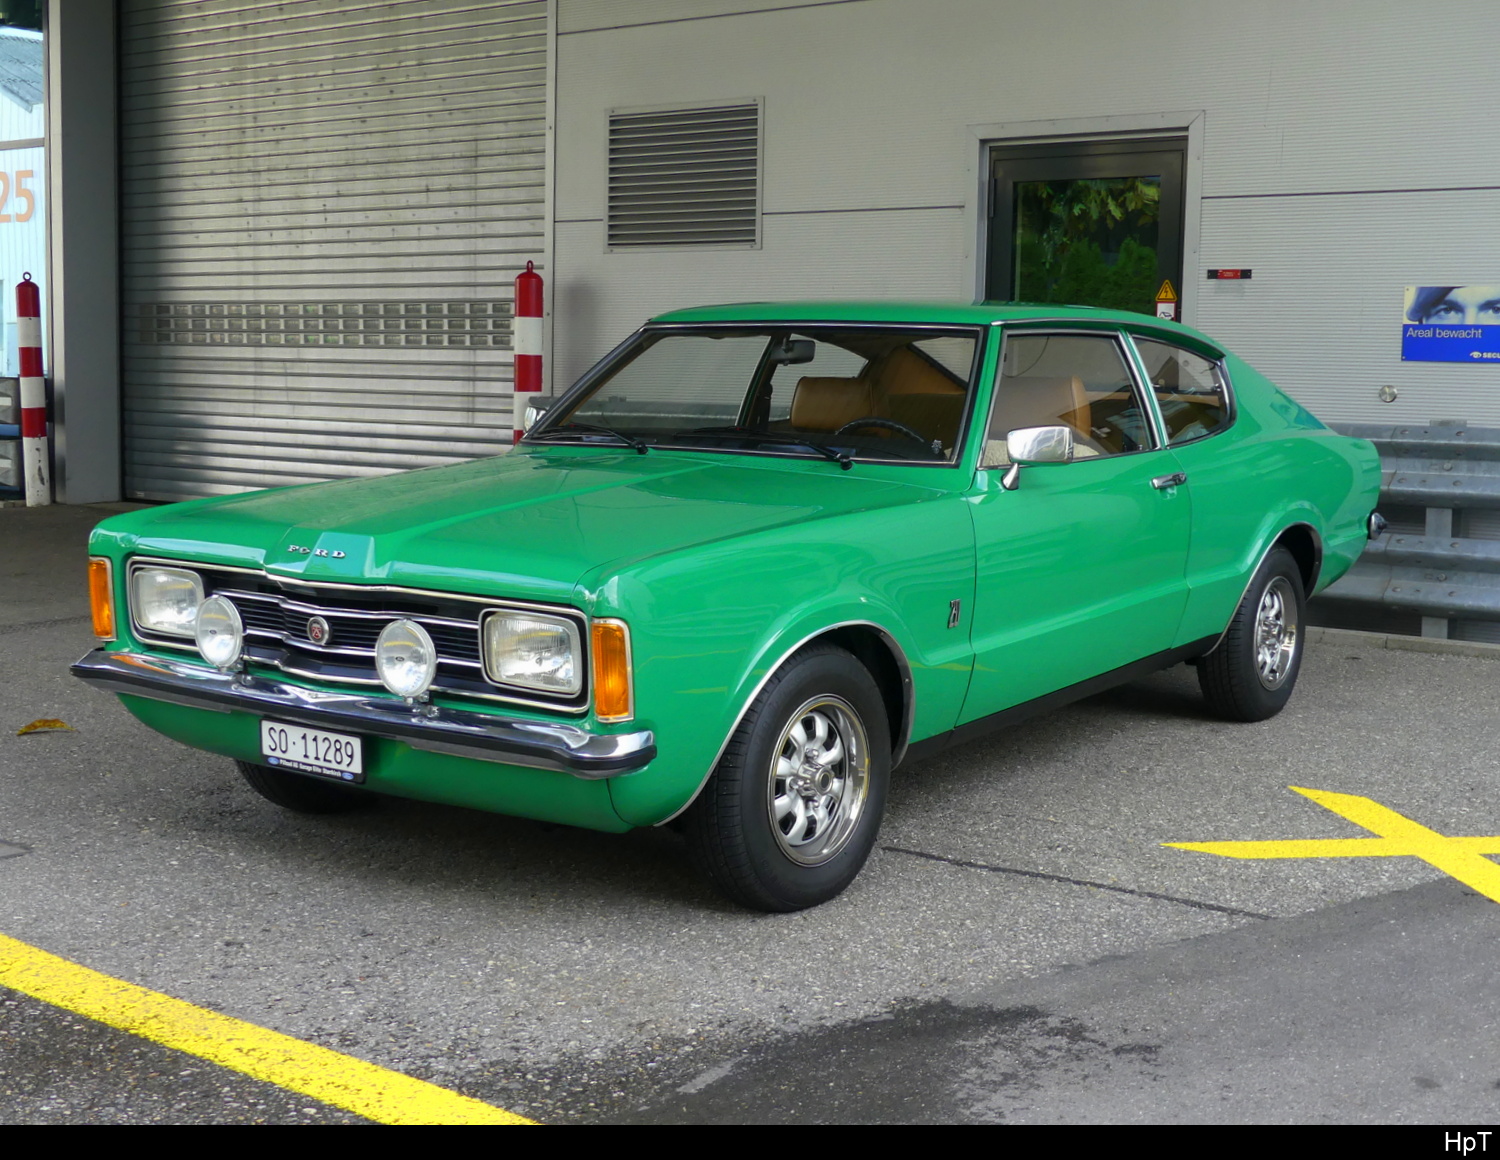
(1451, 324)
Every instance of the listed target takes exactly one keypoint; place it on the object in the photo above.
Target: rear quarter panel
(1275, 467)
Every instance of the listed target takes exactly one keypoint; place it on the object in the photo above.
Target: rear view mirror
(793, 351)
(535, 409)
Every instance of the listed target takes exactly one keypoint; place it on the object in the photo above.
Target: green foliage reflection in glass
(21, 14)
(1090, 242)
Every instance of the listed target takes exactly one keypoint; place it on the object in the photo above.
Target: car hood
(528, 524)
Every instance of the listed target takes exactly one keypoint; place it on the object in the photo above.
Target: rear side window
(1190, 390)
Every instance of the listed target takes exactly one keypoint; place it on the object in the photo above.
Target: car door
(1081, 567)
(1234, 480)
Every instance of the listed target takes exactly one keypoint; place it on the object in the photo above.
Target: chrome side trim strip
(532, 744)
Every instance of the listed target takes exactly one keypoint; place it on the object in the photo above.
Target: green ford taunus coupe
(757, 558)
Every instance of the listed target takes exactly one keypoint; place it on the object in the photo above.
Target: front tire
(300, 792)
(1250, 675)
(792, 810)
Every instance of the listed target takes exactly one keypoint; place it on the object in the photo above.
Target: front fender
(709, 625)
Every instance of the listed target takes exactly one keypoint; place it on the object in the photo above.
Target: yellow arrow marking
(1398, 837)
(388, 1097)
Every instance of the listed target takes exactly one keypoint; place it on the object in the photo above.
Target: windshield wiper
(587, 428)
(842, 458)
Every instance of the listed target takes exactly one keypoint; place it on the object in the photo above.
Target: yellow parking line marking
(1397, 837)
(377, 1093)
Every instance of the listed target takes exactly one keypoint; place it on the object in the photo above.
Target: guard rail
(1442, 479)
(10, 438)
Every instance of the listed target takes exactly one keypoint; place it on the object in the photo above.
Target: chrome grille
(352, 632)
(276, 614)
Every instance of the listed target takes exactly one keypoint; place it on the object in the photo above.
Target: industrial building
(283, 235)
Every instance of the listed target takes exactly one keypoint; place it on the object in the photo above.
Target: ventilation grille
(465, 323)
(685, 177)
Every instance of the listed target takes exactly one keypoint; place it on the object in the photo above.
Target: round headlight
(219, 632)
(405, 658)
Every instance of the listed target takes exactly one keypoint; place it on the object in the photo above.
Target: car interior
(900, 392)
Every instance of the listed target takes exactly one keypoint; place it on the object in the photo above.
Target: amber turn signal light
(101, 598)
(611, 658)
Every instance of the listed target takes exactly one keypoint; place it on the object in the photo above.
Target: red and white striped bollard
(34, 458)
(526, 342)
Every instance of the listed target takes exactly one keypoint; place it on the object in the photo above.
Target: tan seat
(826, 404)
(904, 372)
(932, 416)
(1039, 402)
(900, 385)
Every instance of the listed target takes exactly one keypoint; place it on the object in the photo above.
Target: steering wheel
(887, 424)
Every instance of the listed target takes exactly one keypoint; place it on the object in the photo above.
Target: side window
(1071, 380)
(1190, 390)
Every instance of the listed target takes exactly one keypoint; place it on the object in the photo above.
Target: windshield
(842, 392)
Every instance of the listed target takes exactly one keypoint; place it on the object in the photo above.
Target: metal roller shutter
(324, 204)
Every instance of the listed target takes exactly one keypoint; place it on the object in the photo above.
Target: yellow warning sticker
(1167, 293)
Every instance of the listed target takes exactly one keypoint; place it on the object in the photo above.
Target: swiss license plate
(335, 755)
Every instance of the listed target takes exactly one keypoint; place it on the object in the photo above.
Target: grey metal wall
(324, 204)
(1338, 154)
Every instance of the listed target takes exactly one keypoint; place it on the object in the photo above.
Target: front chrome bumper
(533, 744)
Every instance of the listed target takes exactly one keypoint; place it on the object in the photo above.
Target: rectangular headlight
(529, 650)
(165, 600)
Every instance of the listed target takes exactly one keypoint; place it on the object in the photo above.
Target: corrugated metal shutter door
(324, 206)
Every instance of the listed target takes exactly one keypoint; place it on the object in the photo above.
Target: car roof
(929, 313)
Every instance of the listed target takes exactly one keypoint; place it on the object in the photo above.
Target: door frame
(979, 163)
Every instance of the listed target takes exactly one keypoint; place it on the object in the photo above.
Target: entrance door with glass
(1089, 223)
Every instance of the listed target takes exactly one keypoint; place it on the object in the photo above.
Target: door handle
(1162, 482)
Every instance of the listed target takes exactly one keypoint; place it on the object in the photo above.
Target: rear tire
(792, 810)
(302, 793)
(1250, 675)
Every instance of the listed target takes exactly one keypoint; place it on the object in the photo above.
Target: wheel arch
(1304, 543)
(883, 658)
(1306, 546)
(885, 661)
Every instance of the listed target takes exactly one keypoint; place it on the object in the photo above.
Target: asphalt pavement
(1021, 949)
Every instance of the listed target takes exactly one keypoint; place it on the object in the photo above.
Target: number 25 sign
(24, 196)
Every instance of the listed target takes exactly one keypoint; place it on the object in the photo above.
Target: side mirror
(535, 409)
(1028, 446)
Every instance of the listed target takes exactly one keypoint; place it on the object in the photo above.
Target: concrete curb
(1420, 644)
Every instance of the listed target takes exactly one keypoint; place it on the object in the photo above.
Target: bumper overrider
(531, 744)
